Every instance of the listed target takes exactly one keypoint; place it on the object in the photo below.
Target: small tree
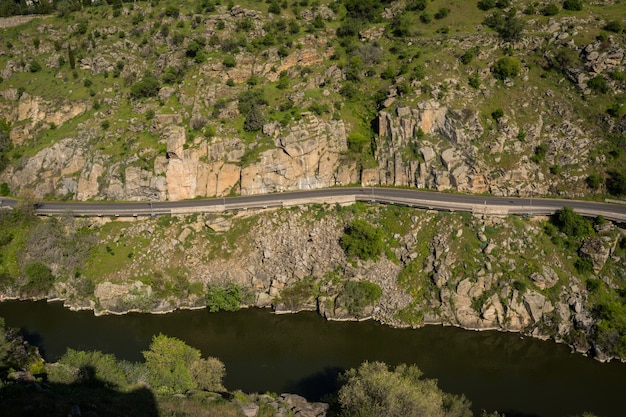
(168, 362)
(373, 390)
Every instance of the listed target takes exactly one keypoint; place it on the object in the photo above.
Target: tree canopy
(374, 390)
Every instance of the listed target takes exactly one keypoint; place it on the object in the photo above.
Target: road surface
(414, 198)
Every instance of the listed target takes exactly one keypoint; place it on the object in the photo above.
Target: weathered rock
(546, 279)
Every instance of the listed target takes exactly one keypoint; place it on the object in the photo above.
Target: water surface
(303, 353)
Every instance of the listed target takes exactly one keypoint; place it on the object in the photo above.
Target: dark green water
(303, 353)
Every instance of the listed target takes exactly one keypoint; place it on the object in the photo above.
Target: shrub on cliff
(357, 295)
(147, 87)
(226, 298)
(362, 240)
(506, 67)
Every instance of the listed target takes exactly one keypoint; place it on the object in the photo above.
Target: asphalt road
(414, 198)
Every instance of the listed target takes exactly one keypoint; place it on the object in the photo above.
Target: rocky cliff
(431, 99)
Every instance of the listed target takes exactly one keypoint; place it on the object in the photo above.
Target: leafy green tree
(373, 390)
(169, 362)
(362, 240)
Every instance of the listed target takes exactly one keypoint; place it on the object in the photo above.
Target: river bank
(473, 272)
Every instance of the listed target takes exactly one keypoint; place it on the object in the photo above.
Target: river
(302, 353)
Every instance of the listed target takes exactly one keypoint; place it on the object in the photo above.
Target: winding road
(413, 198)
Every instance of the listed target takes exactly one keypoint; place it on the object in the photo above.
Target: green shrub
(147, 87)
(540, 153)
(497, 114)
(226, 298)
(362, 240)
(486, 4)
(169, 361)
(573, 5)
(506, 67)
(474, 80)
(616, 182)
(598, 84)
(39, 278)
(442, 13)
(172, 11)
(572, 224)
(356, 295)
(550, 9)
(614, 26)
(583, 265)
(373, 390)
(254, 120)
(4, 189)
(593, 181)
(87, 367)
(294, 296)
(34, 66)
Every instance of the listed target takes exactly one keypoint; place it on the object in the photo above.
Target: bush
(254, 120)
(39, 278)
(442, 13)
(486, 4)
(225, 298)
(616, 182)
(474, 80)
(34, 66)
(573, 5)
(86, 367)
(373, 390)
(598, 84)
(356, 295)
(4, 189)
(147, 87)
(593, 181)
(497, 114)
(540, 153)
(362, 240)
(506, 67)
(172, 11)
(572, 224)
(583, 265)
(614, 26)
(550, 10)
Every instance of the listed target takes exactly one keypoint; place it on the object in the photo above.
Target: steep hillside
(173, 100)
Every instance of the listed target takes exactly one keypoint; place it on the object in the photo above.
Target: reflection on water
(303, 354)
